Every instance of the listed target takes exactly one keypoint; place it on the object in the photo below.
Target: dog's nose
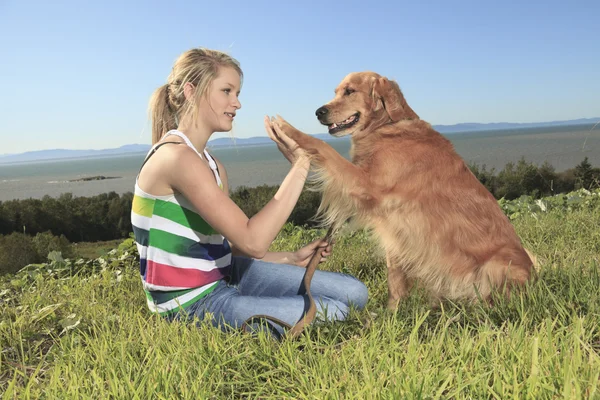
(321, 112)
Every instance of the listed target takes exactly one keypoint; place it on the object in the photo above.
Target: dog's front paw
(290, 131)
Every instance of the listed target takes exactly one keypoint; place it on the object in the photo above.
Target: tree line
(524, 178)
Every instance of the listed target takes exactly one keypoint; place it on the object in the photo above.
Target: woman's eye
(227, 91)
(349, 91)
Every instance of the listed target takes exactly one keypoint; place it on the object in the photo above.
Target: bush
(586, 177)
(16, 251)
(45, 242)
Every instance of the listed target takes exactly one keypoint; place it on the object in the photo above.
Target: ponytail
(163, 118)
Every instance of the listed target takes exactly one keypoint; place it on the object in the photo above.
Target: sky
(78, 75)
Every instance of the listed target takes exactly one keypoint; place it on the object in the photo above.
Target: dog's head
(364, 101)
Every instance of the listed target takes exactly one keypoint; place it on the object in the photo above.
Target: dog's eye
(348, 91)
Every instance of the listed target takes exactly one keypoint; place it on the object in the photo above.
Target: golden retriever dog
(406, 183)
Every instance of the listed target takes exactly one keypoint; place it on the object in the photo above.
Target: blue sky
(78, 75)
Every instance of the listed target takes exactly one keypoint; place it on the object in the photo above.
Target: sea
(563, 147)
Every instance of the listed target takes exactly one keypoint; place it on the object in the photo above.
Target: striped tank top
(182, 258)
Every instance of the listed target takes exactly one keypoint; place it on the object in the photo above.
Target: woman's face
(218, 107)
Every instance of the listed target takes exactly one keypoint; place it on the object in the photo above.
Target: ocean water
(563, 147)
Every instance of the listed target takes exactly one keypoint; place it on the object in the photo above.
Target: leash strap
(309, 315)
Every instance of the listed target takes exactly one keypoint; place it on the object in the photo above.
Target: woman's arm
(301, 257)
(280, 257)
(191, 177)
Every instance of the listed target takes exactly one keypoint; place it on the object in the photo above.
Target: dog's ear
(387, 94)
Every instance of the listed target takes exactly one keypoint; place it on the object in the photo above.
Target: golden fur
(433, 218)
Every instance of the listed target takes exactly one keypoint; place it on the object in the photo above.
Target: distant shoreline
(63, 159)
(94, 178)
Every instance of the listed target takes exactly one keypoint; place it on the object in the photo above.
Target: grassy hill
(81, 329)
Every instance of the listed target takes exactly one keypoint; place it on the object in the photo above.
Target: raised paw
(287, 129)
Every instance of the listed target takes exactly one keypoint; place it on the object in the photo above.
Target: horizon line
(581, 121)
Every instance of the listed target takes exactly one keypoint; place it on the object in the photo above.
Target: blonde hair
(199, 67)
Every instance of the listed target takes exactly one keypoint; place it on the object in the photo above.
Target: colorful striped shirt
(182, 258)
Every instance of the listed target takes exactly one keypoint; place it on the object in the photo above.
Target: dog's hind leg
(398, 283)
(504, 273)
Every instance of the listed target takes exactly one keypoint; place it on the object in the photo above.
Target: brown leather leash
(309, 315)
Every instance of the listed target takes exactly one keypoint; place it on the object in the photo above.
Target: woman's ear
(189, 91)
(387, 93)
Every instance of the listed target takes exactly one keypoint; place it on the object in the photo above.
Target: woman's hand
(302, 256)
(286, 145)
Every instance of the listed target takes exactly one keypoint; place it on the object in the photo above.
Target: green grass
(82, 330)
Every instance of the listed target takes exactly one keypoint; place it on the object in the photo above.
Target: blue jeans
(276, 290)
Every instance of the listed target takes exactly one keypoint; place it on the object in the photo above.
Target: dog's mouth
(345, 124)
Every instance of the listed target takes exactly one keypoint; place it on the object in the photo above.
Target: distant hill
(65, 153)
(262, 140)
(477, 127)
(55, 154)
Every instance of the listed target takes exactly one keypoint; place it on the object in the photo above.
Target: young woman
(199, 253)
